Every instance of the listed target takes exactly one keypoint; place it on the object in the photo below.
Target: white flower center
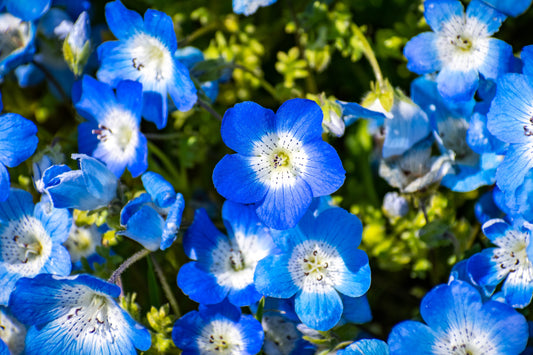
(12, 332)
(279, 159)
(464, 341)
(220, 336)
(512, 255)
(82, 242)
(119, 134)
(14, 34)
(151, 58)
(25, 246)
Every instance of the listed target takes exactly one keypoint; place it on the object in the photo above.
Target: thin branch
(126, 264)
(166, 287)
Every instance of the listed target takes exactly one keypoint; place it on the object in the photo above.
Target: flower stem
(369, 55)
(52, 80)
(166, 287)
(209, 109)
(163, 136)
(126, 264)
(265, 84)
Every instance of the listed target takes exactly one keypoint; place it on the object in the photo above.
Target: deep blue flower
(75, 315)
(510, 7)
(459, 322)
(248, 7)
(27, 10)
(460, 48)
(318, 261)
(30, 240)
(281, 161)
(366, 347)
(17, 42)
(18, 141)
(143, 216)
(91, 187)
(144, 52)
(12, 332)
(224, 265)
(508, 262)
(112, 134)
(219, 328)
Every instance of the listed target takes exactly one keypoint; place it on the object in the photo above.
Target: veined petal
(172, 222)
(319, 310)
(498, 60)
(202, 237)
(517, 163)
(145, 227)
(457, 85)
(129, 94)
(155, 107)
(356, 309)
(18, 139)
(96, 99)
(353, 278)
(272, 277)
(422, 54)
(301, 118)
(200, 285)
(439, 12)
(4, 183)
(518, 286)
(160, 25)
(181, 88)
(484, 272)
(323, 172)
(122, 22)
(485, 16)
(411, 337)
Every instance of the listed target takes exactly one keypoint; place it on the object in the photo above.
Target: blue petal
(496, 229)
(510, 7)
(59, 262)
(440, 12)
(422, 54)
(272, 277)
(4, 183)
(323, 172)
(132, 207)
(518, 288)
(200, 285)
(352, 111)
(182, 89)
(129, 94)
(302, 118)
(457, 85)
(115, 63)
(96, 99)
(202, 237)
(516, 164)
(160, 25)
(244, 124)
(235, 179)
(155, 108)
(145, 227)
(172, 222)
(356, 309)
(486, 15)
(160, 190)
(186, 332)
(320, 310)
(28, 10)
(99, 180)
(354, 279)
(18, 139)
(527, 59)
(366, 347)
(4, 350)
(56, 222)
(139, 162)
(409, 337)
(497, 61)
(284, 206)
(252, 334)
(8, 285)
(484, 272)
(87, 141)
(122, 22)
(18, 205)
(244, 296)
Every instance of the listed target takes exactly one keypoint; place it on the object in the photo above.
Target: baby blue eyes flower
(30, 240)
(144, 52)
(224, 265)
(27, 10)
(460, 48)
(318, 261)
(12, 332)
(459, 323)
(75, 315)
(509, 261)
(248, 7)
(17, 42)
(366, 347)
(281, 161)
(218, 329)
(112, 134)
(510, 7)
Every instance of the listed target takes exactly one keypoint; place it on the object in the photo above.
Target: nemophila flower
(30, 240)
(510, 7)
(18, 141)
(153, 219)
(91, 187)
(366, 347)
(219, 328)
(395, 205)
(144, 52)
(12, 332)
(283, 337)
(82, 242)
(17, 42)
(75, 315)
(27, 10)
(318, 261)
(248, 7)
(112, 134)
(508, 262)
(458, 322)
(281, 161)
(460, 48)
(223, 265)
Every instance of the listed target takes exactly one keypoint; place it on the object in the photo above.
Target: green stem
(166, 287)
(163, 136)
(198, 33)
(126, 264)
(164, 159)
(265, 84)
(369, 54)
(209, 109)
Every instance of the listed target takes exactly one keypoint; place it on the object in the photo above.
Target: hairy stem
(126, 264)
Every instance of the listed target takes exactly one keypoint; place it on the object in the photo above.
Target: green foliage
(161, 323)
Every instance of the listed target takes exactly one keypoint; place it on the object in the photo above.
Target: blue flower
(18, 141)
(17, 42)
(509, 261)
(318, 261)
(27, 10)
(112, 134)
(459, 322)
(91, 187)
(144, 52)
(395, 205)
(218, 328)
(82, 242)
(510, 7)
(224, 265)
(248, 7)
(75, 315)
(12, 332)
(30, 240)
(143, 218)
(283, 337)
(281, 161)
(460, 48)
(366, 347)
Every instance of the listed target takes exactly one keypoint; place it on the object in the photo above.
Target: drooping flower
(91, 187)
(223, 265)
(143, 216)
(75, 315)
(219, 328)
(112, 133)
(248, 7)
(508, 262)
(318, 261)
(30, 240)
(366, 347)
(460, 48)
(144, 52)
(17, 42)
(458, 322)
(27, 10)
(281, 161)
